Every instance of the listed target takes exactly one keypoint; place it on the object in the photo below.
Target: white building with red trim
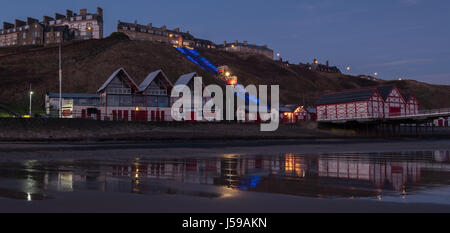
(349, 105)
(122, 99)
(117, 97)
(412, 104)
(394, 103)
(195, 113)
(153, 102)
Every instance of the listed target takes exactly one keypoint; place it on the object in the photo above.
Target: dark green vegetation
(87, 64)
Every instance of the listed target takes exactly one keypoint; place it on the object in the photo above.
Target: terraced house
(246, 48)
(148, 32)
(53, 30)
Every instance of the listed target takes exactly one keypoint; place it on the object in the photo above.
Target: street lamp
(31, 94)
(376, 73)
(348, 68)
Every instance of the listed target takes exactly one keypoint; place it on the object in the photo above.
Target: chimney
(245, 43)
(163, 27)
(83, 11)
(99, 11)
(69, 13)
(135, 23)
(150, 25)
(265, 46)
(237, 42)
(59, 16)
(327, 64)
(47, 19)
(7, 25)
(177, 30)
(224, 43)
(31, 21)
(19, 23)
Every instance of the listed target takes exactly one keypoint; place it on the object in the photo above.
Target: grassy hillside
(87, 64)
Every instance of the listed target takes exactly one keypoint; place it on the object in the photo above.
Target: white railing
(422, 113)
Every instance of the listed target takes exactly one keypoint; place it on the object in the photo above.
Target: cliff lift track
(195, 57)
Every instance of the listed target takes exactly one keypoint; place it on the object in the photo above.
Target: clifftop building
(53, 30)
(246, 48)
(175, 37)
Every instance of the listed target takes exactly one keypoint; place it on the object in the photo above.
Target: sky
(396, 38)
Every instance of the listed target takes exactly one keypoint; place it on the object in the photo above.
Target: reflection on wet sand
(356, 175)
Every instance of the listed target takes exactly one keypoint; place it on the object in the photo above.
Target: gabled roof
(288, 107)
(121, 69)
(385, 91)
(346, 97)
(311, 110)
(408, 96)
(185, 78)
(149, 79)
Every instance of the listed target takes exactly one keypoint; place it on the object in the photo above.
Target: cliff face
(87, 64)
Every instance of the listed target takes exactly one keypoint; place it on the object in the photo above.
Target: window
(89, 17)
(24, 35)
(57, 34)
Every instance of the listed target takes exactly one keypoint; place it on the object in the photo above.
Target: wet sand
(245, 202)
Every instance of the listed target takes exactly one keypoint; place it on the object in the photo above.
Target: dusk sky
(397, 38)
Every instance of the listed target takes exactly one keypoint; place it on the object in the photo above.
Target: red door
(99, 114)
(120, 114)
(163, 116)
(83, 113)
(157, 116)
(125, 115)
(152, 116)
(114, 113)
(193, 117)
(441, 122)
(133, 115)
(394, 111)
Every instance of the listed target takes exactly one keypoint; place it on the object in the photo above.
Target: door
(99, 115)
(163, 116)
(114, 113)
(394, 111)
(83, 113)
(157, 116)
(125, 115)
